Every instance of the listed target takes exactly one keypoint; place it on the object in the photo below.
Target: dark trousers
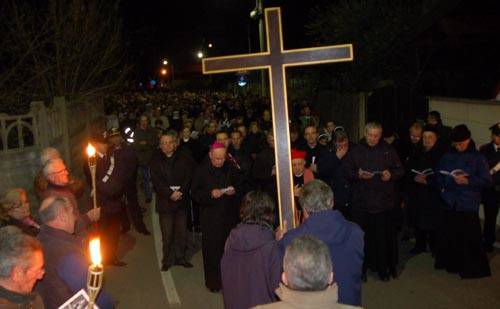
(173, 231)
(460, 249)
(109, 227)
(424, 238)
(193, 220)
(490, 221)
(381, 251)
(132, 211)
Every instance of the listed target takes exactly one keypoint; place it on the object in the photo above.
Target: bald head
(57, 212)
(217, 156)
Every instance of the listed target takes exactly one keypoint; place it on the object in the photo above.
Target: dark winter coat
(250, 266)
(168, 173)
(464, 197)
(13, 300)
(373, 195)
(331, 170)
(145, 151)
(66, 268)
(425, 197)
(345, 242)
(491, 195)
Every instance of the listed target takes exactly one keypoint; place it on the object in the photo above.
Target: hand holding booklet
(227, 190)
(426, 172)
(454, 173)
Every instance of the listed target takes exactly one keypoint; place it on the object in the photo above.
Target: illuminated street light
(164, 72)
(165, 62)
(199, 55)
(210, 45)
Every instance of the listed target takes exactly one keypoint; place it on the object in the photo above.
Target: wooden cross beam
(275, 60)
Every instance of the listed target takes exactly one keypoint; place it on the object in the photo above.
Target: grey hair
(172, 134)
(47, 168)
(48, 154)
(373, 125)
(307, 264)
(341, 135)
(51, 207)
(316, 196)
(16, 249)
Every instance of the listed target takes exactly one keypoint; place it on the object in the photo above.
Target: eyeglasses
(61, 171)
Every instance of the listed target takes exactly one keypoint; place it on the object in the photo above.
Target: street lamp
(257, 13)
(199, 55)
(163, 72)
(165, 62)
(210, 45)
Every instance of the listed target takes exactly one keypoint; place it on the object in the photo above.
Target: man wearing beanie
(461, 175)
(491, 196)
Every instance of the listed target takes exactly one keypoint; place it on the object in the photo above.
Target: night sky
(176, 30)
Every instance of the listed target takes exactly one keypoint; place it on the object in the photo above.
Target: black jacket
(373, 195)
(425, 197)
(491, 195)
(171, 172)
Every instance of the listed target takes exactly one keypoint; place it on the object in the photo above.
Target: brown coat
(35, 303)
(291, 299)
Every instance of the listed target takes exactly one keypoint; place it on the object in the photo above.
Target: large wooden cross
(275, 60)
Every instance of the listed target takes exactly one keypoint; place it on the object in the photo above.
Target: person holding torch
(108, 183)
(66, 262)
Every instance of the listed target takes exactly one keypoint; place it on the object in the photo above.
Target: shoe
(394, 273)
(166, 267)
(184, 264)
(488, 248)
(384, 276)
(117, 263)
(214, 290)
(143, 230)
(416, 251)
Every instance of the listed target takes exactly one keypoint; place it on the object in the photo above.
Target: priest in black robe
(216, 187)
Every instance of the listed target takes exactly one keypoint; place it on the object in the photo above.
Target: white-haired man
(307, 278)
(21, 266)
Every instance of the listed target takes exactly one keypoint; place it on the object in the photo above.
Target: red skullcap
(298, 154)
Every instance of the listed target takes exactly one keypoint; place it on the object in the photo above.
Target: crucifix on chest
(275, 59)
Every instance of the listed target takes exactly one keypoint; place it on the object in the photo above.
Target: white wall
(478, 115)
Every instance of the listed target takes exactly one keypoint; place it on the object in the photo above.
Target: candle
(91, 151)
(95, 252)
(96, 272)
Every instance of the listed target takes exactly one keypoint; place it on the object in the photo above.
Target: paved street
(142, 285)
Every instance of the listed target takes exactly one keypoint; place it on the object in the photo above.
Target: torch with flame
(91, 152)
(96, 272)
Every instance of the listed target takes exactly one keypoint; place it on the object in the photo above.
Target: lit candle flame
(90, 150)
(95, 251)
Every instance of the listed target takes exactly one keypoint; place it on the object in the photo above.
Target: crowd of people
(208, 161)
